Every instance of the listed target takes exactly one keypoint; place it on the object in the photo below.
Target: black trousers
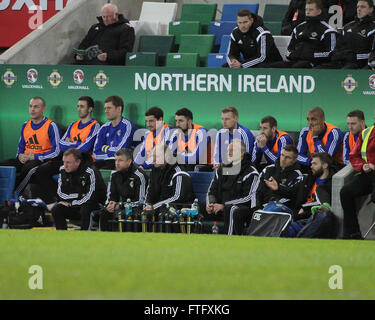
(26, 172)
(61, 213)
(361, 185)
(44, 186)
(235, 218)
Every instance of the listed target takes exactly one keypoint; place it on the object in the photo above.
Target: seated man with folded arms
(356, 123)
(127, 182)
(80, 190)
(232, 192)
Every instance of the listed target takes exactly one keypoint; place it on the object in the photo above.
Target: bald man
(114, 36)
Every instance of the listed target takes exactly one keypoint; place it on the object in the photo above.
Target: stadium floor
(144, 266)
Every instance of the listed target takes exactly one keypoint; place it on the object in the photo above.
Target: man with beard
(270, 142)
(253, 41)
(158, 133)
(232, 191)
(280, 181)
(191, 143)
(316, 188)
(312, 41)
(127, 182)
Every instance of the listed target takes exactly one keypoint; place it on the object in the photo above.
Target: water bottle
(193, 214)
(169, 216)
(215, 228)
(128, 214)
(5, 224)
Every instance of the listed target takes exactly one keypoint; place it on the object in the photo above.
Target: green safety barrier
(285, 94)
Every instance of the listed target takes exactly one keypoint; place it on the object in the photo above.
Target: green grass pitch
(106, 265)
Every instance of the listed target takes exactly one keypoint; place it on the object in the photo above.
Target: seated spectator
(269, 143)
(253, 41)
(311, 41)
(114, 135)
(127, 182)
(81, 135)
(362, 159)
(356, 123)
(316, 187)
(232, 190)
(38, 143)
(158, 133)
(319, 136)
(168, 184)
(191, 143)
(354, 44)
(231, 129)
(293, 16)
(80, 190)
(280, 181)
(113, 35)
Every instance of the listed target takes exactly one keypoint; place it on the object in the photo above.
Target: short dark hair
(324, 157)
(127, 153)
(156, 112)
(244, 13)
(291, 148)
(77, 154)
(41, 99)
(89, 100)
(356, 113)
(116, 101)
(369, 2)
(318, 111)
(271, 120)
(318, 3)
(230, 109)
(185, 112)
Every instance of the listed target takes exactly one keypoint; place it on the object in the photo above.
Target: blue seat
(201, 182)
(224, 43)
(230, 10)
(216, 60)
(7, 182)
(220, 28)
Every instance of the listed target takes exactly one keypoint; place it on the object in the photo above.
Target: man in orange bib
(319, 136)
(80, 135)
(39, 142)
(269, 143)
(158, 133)
(356, 123)
(191, 143)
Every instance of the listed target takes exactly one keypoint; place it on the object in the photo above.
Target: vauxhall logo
(257, 216)
(33, 143)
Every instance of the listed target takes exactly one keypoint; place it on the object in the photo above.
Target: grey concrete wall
(52, 43)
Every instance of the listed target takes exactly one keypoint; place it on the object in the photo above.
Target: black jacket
(312, 40)
(371, 59)
(323, 193)
(234, 189)
(293, 17)
(115, 39)
(127, 184)
(354, 44)
(257, 45)
(288, 180)
(169, 184)
(83, 185)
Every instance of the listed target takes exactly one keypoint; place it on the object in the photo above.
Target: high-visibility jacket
(37, 141)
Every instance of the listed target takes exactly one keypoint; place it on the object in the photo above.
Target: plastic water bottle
(195, 208)
(128, 207)
(215, 228)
